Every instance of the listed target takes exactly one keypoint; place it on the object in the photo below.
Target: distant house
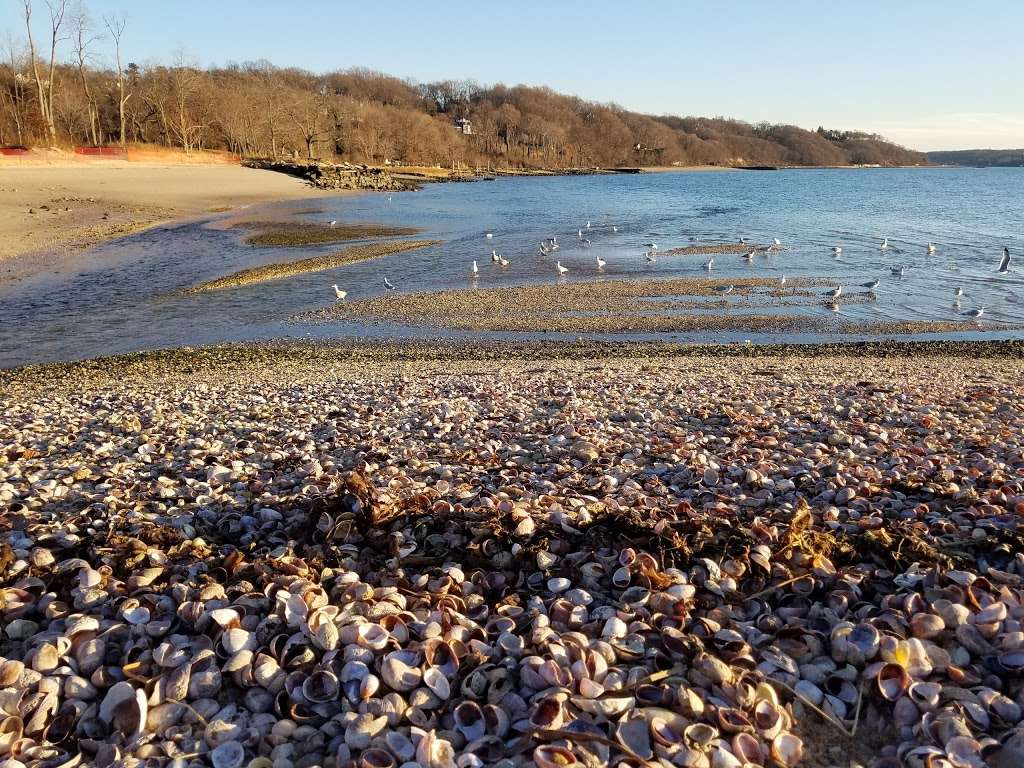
(465, 126)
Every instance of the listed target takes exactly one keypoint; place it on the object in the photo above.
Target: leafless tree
(82, 38)
(116, 27)
(45, 87)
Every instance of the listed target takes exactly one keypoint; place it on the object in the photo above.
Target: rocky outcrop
(334, 175)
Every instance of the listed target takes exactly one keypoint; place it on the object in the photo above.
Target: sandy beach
(73, 203)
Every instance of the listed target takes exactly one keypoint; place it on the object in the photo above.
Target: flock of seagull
(550, 244)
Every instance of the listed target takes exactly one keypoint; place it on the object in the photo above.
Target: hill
(979, 158)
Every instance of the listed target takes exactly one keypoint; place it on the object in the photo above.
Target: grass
(280, 270)
(292, 234)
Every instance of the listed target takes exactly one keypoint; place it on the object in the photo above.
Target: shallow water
(123, 296)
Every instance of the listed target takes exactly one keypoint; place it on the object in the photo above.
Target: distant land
(979, 158)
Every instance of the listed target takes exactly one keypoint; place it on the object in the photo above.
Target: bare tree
(15, 94)
(57, 9)
(82, 39)
(308, 113)
(116, 27)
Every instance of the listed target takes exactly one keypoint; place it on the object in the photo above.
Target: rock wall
(334, 176)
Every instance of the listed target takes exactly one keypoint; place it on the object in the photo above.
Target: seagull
(837, 250)
(836, 292)
(782, 282)
(709, 263)
(339, 294)
(975, 313)
(900, 270)
(958, 292)
(726, 289)
(1004, 265)
(543, 250)
(560, 269)
(388, 284)
(776, 242)
(931, 247)
(614, 228)
(872, 285)
(495, 257)
(601, 262)
(743, 241)
(749, 256)
(586, 242)
(389, 198)
(650, 256)
(579, 234)
(476, 269)
(588, 224)
(885, 244)
(333, 223)
(503, 261)
(489, 236)
(652, 246)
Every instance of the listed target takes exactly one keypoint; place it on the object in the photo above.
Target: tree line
(72, 88)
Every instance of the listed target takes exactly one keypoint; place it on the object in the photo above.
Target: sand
(74, 205)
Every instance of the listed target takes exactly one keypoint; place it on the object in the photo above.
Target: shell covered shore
(326, 559)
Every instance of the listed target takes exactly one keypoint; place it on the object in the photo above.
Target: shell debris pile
(614, 567)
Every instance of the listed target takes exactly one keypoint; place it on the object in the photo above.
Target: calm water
(121, 296)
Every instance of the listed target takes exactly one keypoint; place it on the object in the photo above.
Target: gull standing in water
(782, 282)
(579, 234)
(476, 269)
(601, 262)
(614, 228)
(958, 292)
(495, 257)
(748, 256)
(388, 284)
(885, 244)
(872, 285)
(725, 289)
(649, 255)
(931, 248)
(837, 250)
(836, 292)
(334, 223)
(652, 246)
(900, 270)
(560, 269)
(338, 293)
(1004, 265)
(502, 261)
(975, 313)
(709, 263)
(489, 236)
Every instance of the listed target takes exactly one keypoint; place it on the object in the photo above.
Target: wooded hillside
(257, 109)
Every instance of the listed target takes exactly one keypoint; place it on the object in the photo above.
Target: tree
(116, 27)
(45, 87)
(82, 38)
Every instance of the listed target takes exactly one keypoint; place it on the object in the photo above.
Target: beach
(323, 552)
(68, 203)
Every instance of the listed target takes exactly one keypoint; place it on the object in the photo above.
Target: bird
(776, 242)
(338, 293)
(836, 292)
(975, 312)
(782, 282)
(544, 250)
(495, 257)
(748, 256)
(614, 228)
(389, 198)
(503, 261)
(1004, 265)
(900, 270)
(579, 234)
(725, 289)
(601, 262)
(931, 247)
(871, 285)
(743, 241)
(837, 250)
(708, 264)
(885, 244)
(560, 269)
(652, 246)
(586, 242)
(333, 223)
(489, 236)
(388, 284)
(588, 224)
(649, 255)
(958, 292)
(476, 269)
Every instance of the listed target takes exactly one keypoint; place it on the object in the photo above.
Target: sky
(929, 75)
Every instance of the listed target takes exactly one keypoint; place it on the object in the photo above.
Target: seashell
(399, 745)
(547, 714)
(553, 756)
(228, 754)
(321, 687)
(469, 720)
(399, 671)
(124, 709)
(634, 734)
(376, 758)
(700, 735)
(926, 625)
(787, 749)
(893, 681)
(435, 680)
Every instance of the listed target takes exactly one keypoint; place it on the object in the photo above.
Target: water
(122, 296)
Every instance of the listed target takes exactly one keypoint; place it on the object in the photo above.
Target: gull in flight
(931, 248)
(333, 223)
(871, 285)
(975, 313)
(900, 270)
(885, 244)
(338, 293)
(560, 269)
(1004, 265)
(601, 262)
(649, 255)
(388, 284)
(709, 263)
(476, 269)
(836, 292)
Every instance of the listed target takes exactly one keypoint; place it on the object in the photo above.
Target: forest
(980, 158)
(72, 88)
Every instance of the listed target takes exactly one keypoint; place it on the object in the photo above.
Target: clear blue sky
(943, 74)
